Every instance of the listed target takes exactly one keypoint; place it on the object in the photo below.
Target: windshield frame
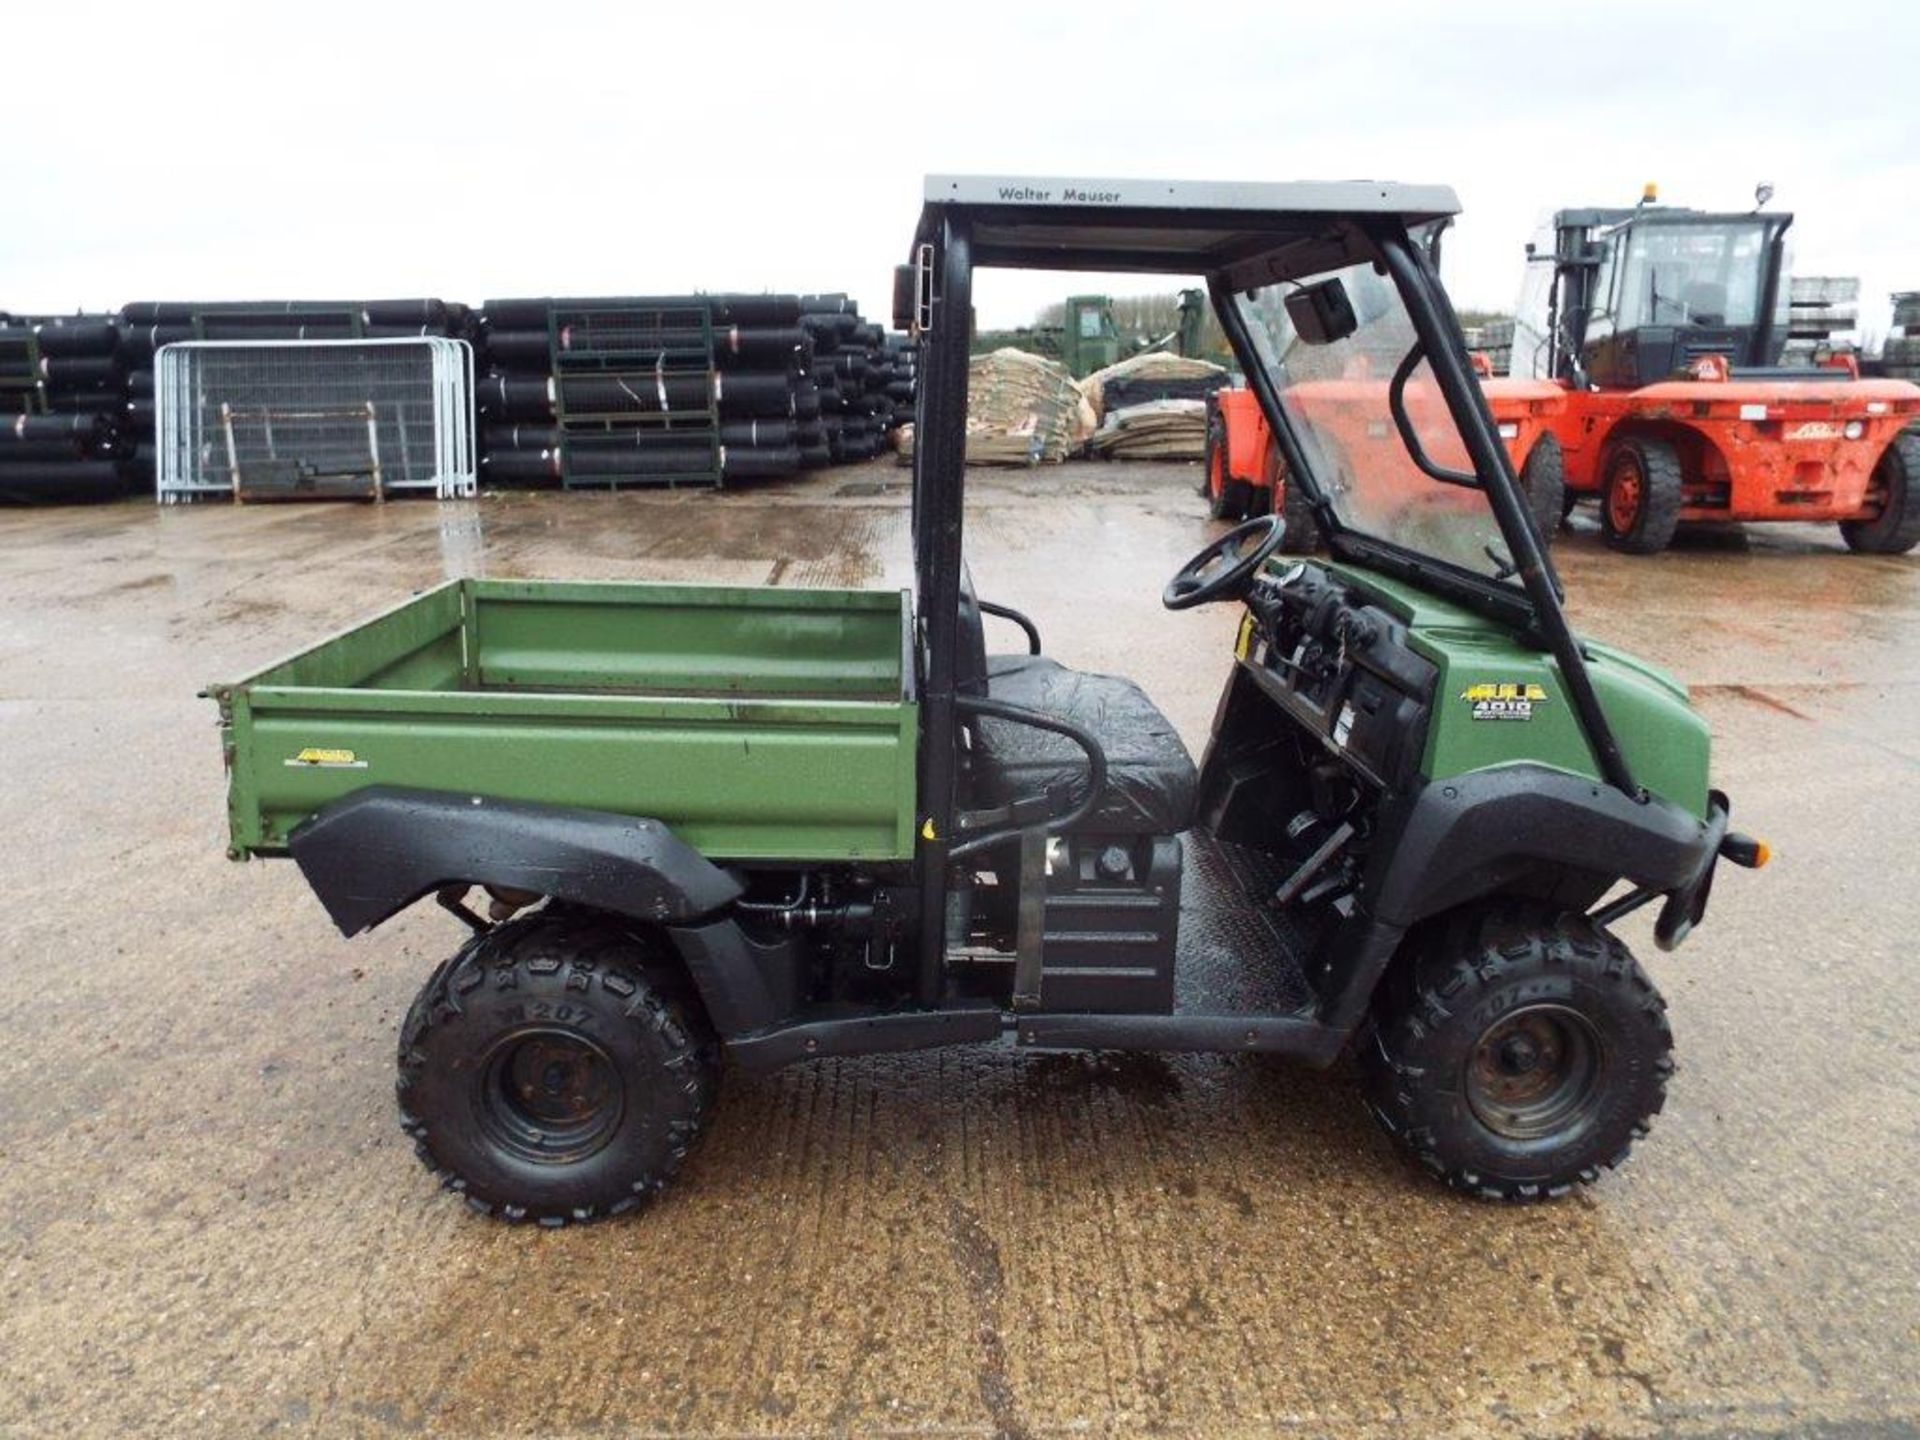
(1408, 265)
(1536, 612)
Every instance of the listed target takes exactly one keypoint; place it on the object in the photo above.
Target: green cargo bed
(758, 723)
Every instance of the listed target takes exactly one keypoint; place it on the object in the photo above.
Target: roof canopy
(1253, 233)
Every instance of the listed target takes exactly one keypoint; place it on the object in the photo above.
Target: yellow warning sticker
(316, 757)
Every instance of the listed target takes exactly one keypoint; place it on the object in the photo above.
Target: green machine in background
(1089, 338)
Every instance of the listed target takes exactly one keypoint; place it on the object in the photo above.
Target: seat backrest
(970, 653)
(1706, 303)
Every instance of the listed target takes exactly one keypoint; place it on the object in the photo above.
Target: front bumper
(1686, 906)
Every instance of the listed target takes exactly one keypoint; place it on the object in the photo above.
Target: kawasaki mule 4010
(707, 825)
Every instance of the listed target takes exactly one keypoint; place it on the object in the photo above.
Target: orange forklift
(1244, 475)
(1665, 327)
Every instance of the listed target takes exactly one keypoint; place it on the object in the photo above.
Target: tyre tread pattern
(1896, 529)
(1662, 496)
(1512, 943)
(591, 952)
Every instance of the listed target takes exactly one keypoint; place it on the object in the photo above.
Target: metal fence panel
(310, 419)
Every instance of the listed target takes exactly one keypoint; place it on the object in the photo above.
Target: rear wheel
(1299, 534)
(1543, 482)
(1231, 500)
(1640, 496)
(551, 1071)
(1520, 1061)
(1215, 463)
(1895, 529)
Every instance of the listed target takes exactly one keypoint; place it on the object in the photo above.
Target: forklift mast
(1642, 294)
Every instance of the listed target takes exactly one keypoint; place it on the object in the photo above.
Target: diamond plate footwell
(1236, 954)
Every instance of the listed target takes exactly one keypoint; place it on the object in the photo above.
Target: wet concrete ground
(210, 1225)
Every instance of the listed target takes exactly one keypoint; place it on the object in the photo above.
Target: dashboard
(1340, 665)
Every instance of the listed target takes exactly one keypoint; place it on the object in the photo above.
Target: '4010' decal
(1504, 700)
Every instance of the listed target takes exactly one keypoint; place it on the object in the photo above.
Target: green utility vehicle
(691, 824)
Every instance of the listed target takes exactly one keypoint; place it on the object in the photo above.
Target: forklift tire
(1896, 529)
(553, 1071)
(1523, 1062)
(1232, 500)
(1543, 481)
(1214, 461)
(1640, 496)
(1299, 534)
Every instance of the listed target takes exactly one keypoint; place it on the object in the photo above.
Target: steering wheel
(1221, 571)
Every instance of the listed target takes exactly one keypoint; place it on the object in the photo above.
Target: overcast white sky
(482, 149)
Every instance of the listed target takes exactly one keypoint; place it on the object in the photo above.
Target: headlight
(1855, 429)
(1510, 431)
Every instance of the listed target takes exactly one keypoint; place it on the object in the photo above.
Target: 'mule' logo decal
(1503, 700)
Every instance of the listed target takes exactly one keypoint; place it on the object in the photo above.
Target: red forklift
(1665, 328)
(1244, 475)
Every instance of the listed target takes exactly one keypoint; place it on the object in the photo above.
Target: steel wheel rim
(550, 1096)
(1536, 1072)
(1623, 496)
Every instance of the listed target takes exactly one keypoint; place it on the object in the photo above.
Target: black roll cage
(1235, 251)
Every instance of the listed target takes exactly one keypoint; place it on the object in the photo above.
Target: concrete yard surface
(211, 1225)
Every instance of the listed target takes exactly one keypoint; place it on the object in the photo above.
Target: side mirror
(1322, 314)
(903, 297)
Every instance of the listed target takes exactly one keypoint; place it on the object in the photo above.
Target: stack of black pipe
(771, 384)
(789, 382)
(62, 389)
(516, 395)
(865, 377)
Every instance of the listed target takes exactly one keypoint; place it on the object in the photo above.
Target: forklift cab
(1642, 294)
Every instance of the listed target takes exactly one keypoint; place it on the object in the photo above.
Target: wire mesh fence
(310, 419)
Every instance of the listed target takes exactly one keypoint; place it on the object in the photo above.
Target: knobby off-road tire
(1521, 1057)
(1896, 529)
(555, 1070)
(1543, 482)
(1640, 496)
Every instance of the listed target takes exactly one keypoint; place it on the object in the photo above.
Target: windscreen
(1712, 273)
(1336, 398)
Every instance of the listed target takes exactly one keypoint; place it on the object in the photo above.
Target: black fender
(1473, 835)
(1450, 842)
(371, 854)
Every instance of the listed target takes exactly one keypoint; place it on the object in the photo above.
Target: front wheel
(1300, 534)
(1232, 500)
(552, 1071)
(1522, 1062)
(1640, 497)
(1543, 484)
(1895, 526)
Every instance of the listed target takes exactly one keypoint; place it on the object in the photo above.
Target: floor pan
(1237, 954)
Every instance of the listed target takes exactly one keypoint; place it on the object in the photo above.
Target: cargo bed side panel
(802, 780)
(687, 640)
